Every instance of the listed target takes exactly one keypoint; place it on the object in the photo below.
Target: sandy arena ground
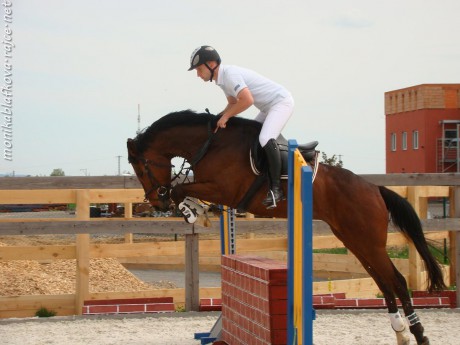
(330, 328)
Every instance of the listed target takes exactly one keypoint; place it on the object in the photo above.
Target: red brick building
(423, 129)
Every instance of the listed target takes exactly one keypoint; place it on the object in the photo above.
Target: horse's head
(154, 173)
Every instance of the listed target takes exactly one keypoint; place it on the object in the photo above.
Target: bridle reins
(204, 149)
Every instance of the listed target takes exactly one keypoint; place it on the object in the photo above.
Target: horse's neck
(186, 144)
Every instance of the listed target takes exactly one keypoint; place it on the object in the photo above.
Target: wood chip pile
(26, 277)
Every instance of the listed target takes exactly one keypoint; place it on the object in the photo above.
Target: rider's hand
(222, 123)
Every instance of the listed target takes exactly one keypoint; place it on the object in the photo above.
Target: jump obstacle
(300, 249)
(228, 247)
(300, 312)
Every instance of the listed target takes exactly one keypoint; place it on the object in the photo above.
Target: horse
(358, 212)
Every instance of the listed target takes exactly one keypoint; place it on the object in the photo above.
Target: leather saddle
(259, 161)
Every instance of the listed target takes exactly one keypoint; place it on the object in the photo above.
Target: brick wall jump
(254, 300)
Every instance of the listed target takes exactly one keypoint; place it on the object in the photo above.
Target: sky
(79, 69)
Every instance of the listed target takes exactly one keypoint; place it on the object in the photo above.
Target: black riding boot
(275, 194)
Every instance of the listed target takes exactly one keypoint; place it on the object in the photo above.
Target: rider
(244, 88)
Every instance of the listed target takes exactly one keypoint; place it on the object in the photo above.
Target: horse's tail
(406, 219)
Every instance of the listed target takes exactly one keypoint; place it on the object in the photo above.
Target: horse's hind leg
(381, 269)
(391, 282)
(415, 325)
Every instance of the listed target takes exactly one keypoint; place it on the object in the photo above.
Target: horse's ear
(131, 147)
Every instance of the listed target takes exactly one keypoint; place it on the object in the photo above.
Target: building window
(404, 141)
(393, 141)
(415, 140)
(450, 136)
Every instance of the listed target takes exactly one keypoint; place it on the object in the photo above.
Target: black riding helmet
(202, 55)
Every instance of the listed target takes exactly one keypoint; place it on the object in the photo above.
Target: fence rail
(165, 226)
(131, 182)
(86, 190)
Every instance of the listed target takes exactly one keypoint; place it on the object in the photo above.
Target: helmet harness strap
(211, 70)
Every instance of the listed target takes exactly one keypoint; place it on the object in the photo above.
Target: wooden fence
(82, 192)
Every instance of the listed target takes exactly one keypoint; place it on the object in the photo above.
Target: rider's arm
(236, 106)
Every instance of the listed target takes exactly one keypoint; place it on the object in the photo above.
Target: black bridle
(163, 191)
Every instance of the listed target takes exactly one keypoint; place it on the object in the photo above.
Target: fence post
(82, 252)
(415, 262)
(128, 215)
(192, 271)
(454, 240)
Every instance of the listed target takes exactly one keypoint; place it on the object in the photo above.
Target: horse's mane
(187, 118)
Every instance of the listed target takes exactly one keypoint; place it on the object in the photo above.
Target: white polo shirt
(266, 93)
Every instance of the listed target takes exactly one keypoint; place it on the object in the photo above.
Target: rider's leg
(275, 194)
(273, 123)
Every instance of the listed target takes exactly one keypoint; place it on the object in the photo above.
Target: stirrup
(190, 210)
(270, 200)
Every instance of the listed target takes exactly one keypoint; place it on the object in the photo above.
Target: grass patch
(43, 312)
(331, 251)
(180, 309)
(393, 252)
(403, 253)
(398, 252)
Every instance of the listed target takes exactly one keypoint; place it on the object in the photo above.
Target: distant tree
(58, 172)
(334, 160)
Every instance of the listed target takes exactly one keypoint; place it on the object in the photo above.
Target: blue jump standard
(204, 337)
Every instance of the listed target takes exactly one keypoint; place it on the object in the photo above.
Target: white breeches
(274, 120)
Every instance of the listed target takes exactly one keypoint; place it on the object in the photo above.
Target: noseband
(162, 191)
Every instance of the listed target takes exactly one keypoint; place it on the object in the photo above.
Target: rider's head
(205, 56)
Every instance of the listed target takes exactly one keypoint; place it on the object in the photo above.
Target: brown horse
(357, 211)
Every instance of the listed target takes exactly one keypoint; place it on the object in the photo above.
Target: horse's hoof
(425, 341)
(402, 338)
(189, 216)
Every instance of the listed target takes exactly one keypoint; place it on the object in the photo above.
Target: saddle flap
(259, 162)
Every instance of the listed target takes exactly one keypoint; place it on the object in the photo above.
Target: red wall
(254, 301)
(426, 121)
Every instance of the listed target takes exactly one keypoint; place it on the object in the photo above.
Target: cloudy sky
(80, 68)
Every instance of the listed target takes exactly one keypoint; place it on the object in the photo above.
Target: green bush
(43, 312)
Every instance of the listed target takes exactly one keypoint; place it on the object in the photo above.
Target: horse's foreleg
(204, 191)
(194, 213)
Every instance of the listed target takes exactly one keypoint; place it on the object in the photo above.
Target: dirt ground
(355, 327)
